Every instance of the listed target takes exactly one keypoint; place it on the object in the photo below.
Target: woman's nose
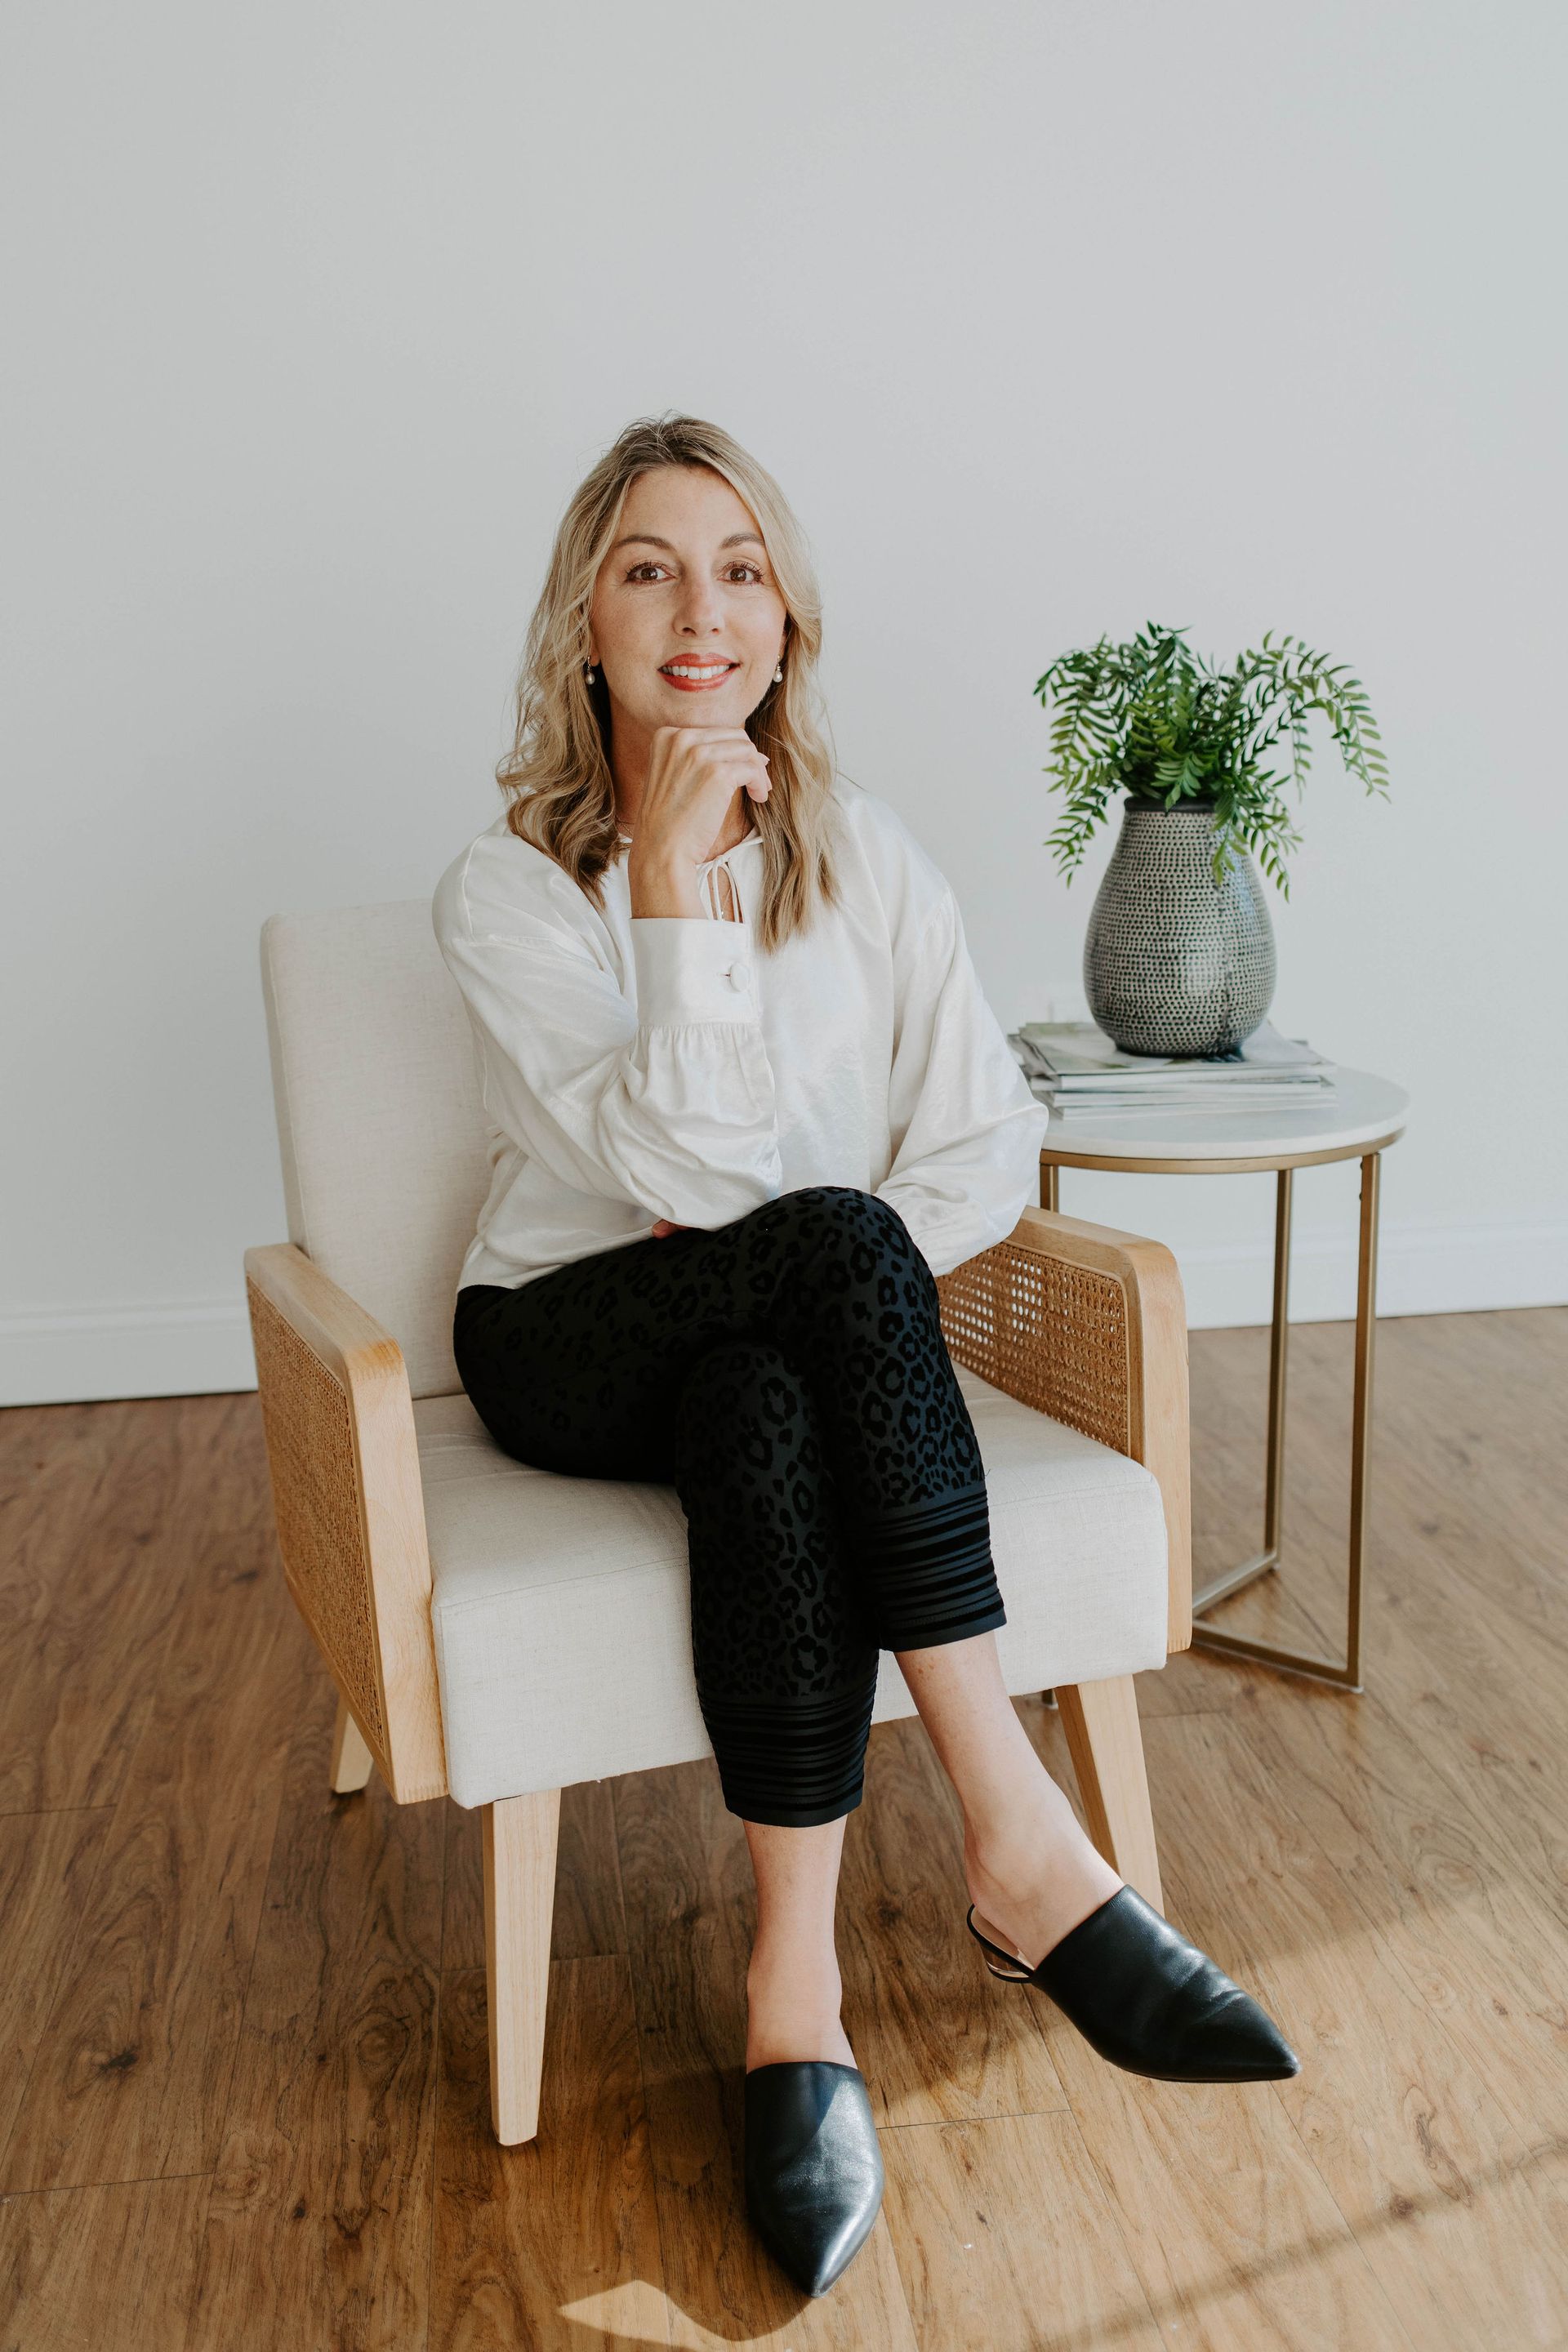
(698, 608)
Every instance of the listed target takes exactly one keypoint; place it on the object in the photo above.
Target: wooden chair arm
(1090, 1325)
(349, 1506)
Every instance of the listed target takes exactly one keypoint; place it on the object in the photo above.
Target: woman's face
(688, 582)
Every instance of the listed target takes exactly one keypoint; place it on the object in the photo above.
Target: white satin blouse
(639, 1066)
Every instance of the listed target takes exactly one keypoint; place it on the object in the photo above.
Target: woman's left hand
(665, 1226)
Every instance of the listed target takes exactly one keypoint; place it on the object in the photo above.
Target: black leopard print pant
(788, 1375)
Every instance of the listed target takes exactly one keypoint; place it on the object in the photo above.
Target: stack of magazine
(1074, 1067)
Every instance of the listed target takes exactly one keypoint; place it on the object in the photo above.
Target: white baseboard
(170, 1346)
(201, 1347)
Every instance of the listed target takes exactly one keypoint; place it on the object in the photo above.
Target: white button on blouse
(637, 1067)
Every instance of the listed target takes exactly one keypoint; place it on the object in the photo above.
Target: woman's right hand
(693, 776)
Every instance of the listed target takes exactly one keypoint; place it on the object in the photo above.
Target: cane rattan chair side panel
(315, 1498)
(1089, 1325)
(1052, 1334)
(350, 1507)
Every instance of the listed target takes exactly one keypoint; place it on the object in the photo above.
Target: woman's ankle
(1036, 1880)
(1034, 1828)
(793, 2007)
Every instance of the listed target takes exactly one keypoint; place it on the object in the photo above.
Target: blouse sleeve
(668, 1104)
(966, 1127)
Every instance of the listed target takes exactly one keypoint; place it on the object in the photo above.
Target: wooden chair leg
(352, 1760)
(1100, 1720)
(519, 1834)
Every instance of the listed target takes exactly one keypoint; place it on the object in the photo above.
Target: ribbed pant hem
(749, 1809)
(929, 1567)
(935, 1637)
(793, 1763)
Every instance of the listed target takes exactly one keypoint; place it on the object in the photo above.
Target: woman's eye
(647, 565)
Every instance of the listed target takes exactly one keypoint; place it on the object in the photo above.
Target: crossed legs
(788, 1372)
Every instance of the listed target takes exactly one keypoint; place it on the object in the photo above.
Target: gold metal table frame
(1346, 1676)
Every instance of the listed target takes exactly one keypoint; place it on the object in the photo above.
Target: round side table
(1363, 1116)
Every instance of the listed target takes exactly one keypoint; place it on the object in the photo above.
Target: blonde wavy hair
(557, 775)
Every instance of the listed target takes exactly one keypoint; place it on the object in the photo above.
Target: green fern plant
(1152, 719)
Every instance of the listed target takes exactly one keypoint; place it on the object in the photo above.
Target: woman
(747, 1101)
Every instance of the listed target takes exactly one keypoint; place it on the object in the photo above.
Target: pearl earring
(778, 675)
(588, 666)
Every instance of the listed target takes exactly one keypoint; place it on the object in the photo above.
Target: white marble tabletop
(1361, 1108)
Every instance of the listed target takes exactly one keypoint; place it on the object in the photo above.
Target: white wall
(1051, 319)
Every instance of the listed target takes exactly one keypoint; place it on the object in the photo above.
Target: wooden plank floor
(243, 2088)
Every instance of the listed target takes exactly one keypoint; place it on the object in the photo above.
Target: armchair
(458, 1598)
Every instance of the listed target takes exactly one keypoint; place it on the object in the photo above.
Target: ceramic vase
(1175, 963)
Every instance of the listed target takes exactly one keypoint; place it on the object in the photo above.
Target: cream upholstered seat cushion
(561, 1606)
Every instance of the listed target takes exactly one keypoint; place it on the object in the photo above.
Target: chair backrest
(375, 1083)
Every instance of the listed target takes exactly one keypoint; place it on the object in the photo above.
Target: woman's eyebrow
(647, 539)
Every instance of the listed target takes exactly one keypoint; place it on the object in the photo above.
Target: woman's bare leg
(793, 1986)
(1032, 1871)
